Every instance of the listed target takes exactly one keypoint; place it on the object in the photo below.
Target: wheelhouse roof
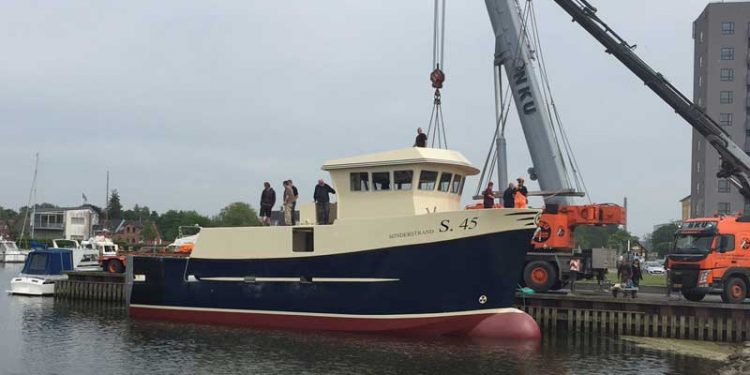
(410, 155)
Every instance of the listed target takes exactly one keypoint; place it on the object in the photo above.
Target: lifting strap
(436, 127)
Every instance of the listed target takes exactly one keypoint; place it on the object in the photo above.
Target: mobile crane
(553, 246)
(709, 254)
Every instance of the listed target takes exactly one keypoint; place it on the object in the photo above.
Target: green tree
(149, 232)
(170, 221)
(114, 207)
(620, 240)
(662, 238)
(237, 214)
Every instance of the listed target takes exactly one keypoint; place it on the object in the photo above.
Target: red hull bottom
(508, 323)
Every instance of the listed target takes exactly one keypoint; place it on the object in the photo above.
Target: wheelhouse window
(445, 182)
(402, 180)
(381, 181)
(457, 184)
(359, 181)
(427, 180)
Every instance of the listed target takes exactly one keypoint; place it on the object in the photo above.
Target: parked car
(655, 268)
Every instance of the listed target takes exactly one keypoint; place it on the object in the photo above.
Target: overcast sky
(193, 104)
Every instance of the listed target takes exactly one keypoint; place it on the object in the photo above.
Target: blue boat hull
(459, 281)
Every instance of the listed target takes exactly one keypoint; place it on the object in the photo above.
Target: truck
(553, 246)
(709, 254)
(116, 261)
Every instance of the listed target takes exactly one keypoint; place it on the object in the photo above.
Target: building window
(403, 179)
(698, 167)
(747, 207)
(723, 208)
(747, 132)
(700, 81)
(727, 53)
(700, 61)
(697, 188)
(726, 97)
(726, 119)
(359, 181)
(701, 37)
(727, 28)
(726, 74)
(723, 186)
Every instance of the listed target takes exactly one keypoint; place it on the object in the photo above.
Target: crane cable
(502, 119)
(575, 168)
(437, 76)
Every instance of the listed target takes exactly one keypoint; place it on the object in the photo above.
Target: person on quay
(575, 267)
(489, 196)
(637, 274)
(294, 203)
(322, 202)
(421, 140)
(521, 196)
(267, 201)
(289, 200)
(508, 199)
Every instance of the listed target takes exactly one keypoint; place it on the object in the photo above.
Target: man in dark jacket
(508, 196)
(421, 140)
(489, 196)
(322, 202)
(267, 200)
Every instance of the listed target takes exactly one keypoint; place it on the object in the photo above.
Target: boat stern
(32, 286)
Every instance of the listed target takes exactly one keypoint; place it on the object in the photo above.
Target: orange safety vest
(520, 200)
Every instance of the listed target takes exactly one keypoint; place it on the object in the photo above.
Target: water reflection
(40, 336)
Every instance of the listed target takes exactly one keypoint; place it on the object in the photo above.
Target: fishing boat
(401, 257)
(41, 270)
(10, 253)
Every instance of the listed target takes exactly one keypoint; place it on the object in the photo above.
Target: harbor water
(40, 336)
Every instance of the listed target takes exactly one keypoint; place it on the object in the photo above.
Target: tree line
(235, 214)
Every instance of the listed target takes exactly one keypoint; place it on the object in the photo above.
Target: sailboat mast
(32, 194)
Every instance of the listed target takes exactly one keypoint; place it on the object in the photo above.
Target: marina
(46, 335)
(387, 264)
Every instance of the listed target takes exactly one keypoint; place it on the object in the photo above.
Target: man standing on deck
(421, 140)
(521, 195)
(508, 200)
(294, 204)
(489, 196)
(267, 200)
(289, 200)
(322, 202)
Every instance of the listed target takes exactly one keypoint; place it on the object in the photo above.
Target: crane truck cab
(712, 256)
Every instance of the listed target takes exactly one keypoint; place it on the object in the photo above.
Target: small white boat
(10, 253)
(84, 258)
(40, 272)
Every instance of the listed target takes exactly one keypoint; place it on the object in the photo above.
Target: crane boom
(735, 163)
(513, 53)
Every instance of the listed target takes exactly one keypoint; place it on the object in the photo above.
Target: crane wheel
(115, 266)
(735, 291)
(539, 275)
